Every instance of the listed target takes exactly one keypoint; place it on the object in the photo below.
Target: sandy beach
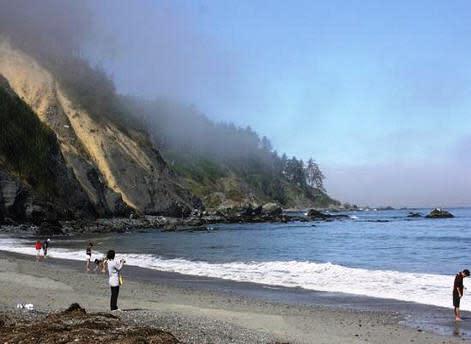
(198, 314)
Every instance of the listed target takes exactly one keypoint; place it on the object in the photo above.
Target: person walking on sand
(115, 278)
(38, 248)
(458, 290)
(88, 254)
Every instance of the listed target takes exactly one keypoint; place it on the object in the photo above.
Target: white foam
(406, 286)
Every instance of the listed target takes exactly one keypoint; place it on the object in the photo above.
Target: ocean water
(377, 253)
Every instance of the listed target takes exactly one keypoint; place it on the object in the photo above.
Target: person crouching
(100, 265)
(458, 290)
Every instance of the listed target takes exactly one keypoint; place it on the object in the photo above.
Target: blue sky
(378, 93)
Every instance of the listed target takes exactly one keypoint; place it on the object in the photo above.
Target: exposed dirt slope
(35, 183)
(111, 165)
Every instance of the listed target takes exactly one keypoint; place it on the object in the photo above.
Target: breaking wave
(405, 286)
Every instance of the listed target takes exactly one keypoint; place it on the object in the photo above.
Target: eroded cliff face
(19, 202)
(35, 183)
(15, 198)
(117, 170)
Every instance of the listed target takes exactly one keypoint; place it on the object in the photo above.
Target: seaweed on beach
(77, 326)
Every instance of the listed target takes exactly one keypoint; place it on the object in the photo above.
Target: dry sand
(197, 316)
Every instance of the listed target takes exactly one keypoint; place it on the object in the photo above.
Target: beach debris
(75, 325)
(439, 213)
(75, 307)
(27, 306)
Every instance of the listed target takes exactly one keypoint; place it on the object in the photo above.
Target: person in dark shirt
(88, 253)
(46, 246)
(458, 290)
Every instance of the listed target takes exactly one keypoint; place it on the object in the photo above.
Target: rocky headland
(69, 162)
(196, 221)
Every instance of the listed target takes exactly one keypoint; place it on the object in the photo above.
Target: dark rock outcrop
(438, 213)
(314, 214)
(385, 208)
(414, 214)
(272, 209)
(15, 198)
(317, 215)
(49, 229)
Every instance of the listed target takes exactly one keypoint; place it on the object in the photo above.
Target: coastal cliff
(35, 183)
(90, 152)
(118, 171)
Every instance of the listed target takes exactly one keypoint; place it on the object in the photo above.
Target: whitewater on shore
(430, 289)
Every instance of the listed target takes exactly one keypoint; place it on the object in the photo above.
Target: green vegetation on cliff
(224, 164)
(27, 146)
(220, 163)
(36, 184)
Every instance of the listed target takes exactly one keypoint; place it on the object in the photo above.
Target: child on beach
(38, 248)
(115, 280)
(88, 254)
(458, 290)
(100, 264)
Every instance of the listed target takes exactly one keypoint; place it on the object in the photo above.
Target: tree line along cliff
(71, 146)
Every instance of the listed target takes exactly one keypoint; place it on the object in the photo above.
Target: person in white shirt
(114, 271)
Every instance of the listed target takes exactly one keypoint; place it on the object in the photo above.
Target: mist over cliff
(130, 153)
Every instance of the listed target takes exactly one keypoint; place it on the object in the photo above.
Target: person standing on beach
(38, 248)
(115, 279)
(46, 246)
(458, 290)
(88, 253)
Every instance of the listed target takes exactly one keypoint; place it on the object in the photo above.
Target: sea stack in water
(438, 213)
(414, 214)
(316, 215)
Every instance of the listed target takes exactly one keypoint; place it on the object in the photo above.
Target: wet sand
(205, 310)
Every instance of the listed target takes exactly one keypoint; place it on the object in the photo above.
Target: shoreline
(198, 221)
(266, 312)
(201, 221)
